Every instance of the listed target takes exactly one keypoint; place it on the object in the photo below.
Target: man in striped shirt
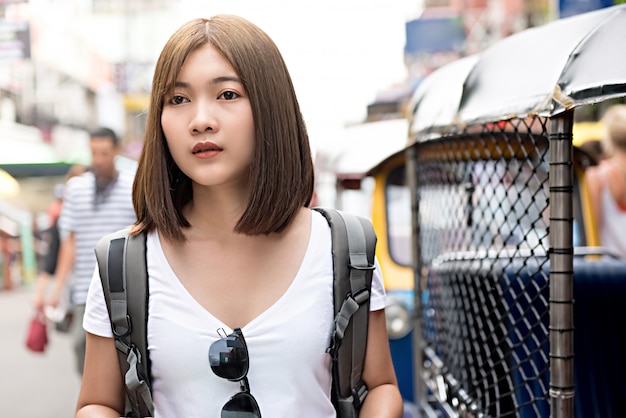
(95, 204)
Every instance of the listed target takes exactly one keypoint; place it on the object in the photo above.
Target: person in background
(607, 183)
(54, 241)
(95, 203)
(223, 189)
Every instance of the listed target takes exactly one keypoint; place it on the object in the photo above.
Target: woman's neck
(215, 212)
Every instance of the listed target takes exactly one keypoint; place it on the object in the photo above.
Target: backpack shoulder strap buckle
(358, 394)
(361, 296)
(122, 331)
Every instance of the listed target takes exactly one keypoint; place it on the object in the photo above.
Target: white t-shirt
(289, 368)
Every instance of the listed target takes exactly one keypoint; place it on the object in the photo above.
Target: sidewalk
(33, 385)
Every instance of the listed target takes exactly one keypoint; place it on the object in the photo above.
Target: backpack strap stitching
(136, 280)
(120, 322)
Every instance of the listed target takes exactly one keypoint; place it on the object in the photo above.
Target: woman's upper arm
(378, 371)
(102, 383)
(378, 368)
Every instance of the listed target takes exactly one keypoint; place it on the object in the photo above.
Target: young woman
(222, 188)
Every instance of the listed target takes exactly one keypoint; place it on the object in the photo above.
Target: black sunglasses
(229, 359)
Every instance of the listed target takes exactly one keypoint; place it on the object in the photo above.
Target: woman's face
(208, 122)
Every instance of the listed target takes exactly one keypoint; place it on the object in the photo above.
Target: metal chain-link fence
(483, 221)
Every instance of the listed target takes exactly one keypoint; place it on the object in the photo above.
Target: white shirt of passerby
(90, 219)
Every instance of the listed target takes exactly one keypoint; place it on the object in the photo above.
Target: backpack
(123, 272)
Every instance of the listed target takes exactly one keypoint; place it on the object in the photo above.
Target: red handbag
(37, 337)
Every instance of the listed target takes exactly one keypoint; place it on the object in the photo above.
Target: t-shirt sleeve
(96, 320)
(377, 298)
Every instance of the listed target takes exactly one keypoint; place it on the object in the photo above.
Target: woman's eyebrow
(225, 79)
(216, 80)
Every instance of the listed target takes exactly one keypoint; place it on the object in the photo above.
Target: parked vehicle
(517, 309)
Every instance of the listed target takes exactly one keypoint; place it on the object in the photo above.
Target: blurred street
(33, 385)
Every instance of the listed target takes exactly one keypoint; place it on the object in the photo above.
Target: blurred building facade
(82, 63)
(74, 63)
(66, 66)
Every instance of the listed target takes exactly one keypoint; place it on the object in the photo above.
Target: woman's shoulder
(318, 222)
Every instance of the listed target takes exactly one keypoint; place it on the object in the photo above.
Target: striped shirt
(90, 217)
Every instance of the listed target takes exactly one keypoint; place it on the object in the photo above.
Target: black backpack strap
(353, 248)
(125, 286)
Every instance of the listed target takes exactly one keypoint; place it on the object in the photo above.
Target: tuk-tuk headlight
(398, 320)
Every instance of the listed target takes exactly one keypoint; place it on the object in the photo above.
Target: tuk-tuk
(517, 310)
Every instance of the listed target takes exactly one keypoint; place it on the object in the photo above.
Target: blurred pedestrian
(95, 203)
(53, 239)
(607, 183)
(222, 190)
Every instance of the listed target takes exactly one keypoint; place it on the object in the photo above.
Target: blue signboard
(574, 7)
(432, 35)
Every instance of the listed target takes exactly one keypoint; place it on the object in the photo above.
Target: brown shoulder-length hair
(281, 174)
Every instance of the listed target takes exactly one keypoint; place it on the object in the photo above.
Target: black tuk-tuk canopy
(539, 71)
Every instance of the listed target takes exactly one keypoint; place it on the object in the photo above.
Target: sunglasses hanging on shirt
(229, 360)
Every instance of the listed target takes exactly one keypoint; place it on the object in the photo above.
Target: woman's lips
(206, 149)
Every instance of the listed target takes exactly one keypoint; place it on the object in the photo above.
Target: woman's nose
(205, 119)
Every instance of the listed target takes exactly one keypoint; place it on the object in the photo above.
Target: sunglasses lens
(242, 405)
(228, 358)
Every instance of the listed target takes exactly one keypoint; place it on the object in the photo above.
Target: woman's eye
(229, 95)
(177, 100)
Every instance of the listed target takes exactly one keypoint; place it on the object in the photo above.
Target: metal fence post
(561, 267)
